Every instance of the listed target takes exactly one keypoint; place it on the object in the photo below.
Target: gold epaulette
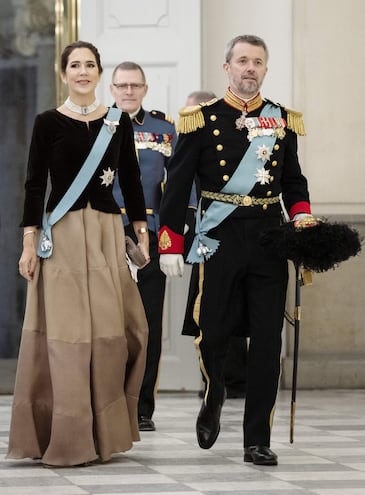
(295, 121)
(191, 118)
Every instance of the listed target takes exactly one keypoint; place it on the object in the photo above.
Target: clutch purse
(134, 252)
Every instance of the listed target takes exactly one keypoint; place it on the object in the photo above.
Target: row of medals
(253, 131)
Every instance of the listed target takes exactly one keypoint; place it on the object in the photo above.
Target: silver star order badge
(263, 153)
(240, 122)
(107, 178)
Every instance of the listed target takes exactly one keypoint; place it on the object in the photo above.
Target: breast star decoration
(263, 153)
(107, 178)
(263, 176)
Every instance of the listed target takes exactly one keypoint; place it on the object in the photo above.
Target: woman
(82, 354)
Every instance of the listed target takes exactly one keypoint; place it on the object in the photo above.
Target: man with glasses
(155, 138)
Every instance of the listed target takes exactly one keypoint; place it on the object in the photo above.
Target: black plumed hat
(319, 247)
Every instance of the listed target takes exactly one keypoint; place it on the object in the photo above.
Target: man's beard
(249, 87)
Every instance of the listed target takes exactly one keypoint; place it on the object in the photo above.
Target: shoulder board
(294, 119)
(162, 116)
(192, 118)
(208, 103)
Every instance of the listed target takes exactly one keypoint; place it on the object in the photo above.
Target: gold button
(226, 178)
(213, 118)
(219, 147)
(271, 178)
(245, 201)
(276, 147)
(264, 207)
(223, 163)
(274, 163)
(216, 132)
(269, 193)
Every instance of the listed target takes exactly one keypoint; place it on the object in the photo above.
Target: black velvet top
(58, 149)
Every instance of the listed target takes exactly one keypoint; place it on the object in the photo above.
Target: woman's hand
(28, 258)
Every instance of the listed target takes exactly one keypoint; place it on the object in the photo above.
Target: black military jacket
(211, 147)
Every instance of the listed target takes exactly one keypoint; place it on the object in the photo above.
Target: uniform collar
(139, 117)
(246, 106)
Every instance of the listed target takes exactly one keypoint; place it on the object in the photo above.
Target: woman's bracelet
(28, 232)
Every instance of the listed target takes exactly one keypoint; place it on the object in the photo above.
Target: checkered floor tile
(326, 458)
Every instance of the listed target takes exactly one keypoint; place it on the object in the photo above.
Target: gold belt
(149, 211)
(240, 199)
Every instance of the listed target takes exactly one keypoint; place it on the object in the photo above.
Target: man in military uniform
(236, 357)
(155, 138)
(243, 149)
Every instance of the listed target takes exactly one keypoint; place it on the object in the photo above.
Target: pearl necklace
(81, 110)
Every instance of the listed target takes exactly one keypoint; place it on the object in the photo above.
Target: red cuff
(301, 207)
(169, 242)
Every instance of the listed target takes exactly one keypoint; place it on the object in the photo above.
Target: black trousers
(235, 366)
(243, 285)
(151, 285)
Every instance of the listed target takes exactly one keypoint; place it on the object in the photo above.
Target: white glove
(304, 220)
(172, 265)
(300, 216)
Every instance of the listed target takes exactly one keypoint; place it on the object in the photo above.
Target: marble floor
(326, 458)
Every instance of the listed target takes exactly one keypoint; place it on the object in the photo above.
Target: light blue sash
(45, 246)
(241, 182)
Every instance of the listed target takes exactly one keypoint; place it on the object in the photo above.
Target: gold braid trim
(295, 122)
(192, 118)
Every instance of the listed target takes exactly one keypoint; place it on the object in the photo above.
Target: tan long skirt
(83, 348)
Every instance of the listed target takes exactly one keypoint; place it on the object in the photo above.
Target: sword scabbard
(292, 416)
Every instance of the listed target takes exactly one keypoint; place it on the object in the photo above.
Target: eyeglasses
(125, 86)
